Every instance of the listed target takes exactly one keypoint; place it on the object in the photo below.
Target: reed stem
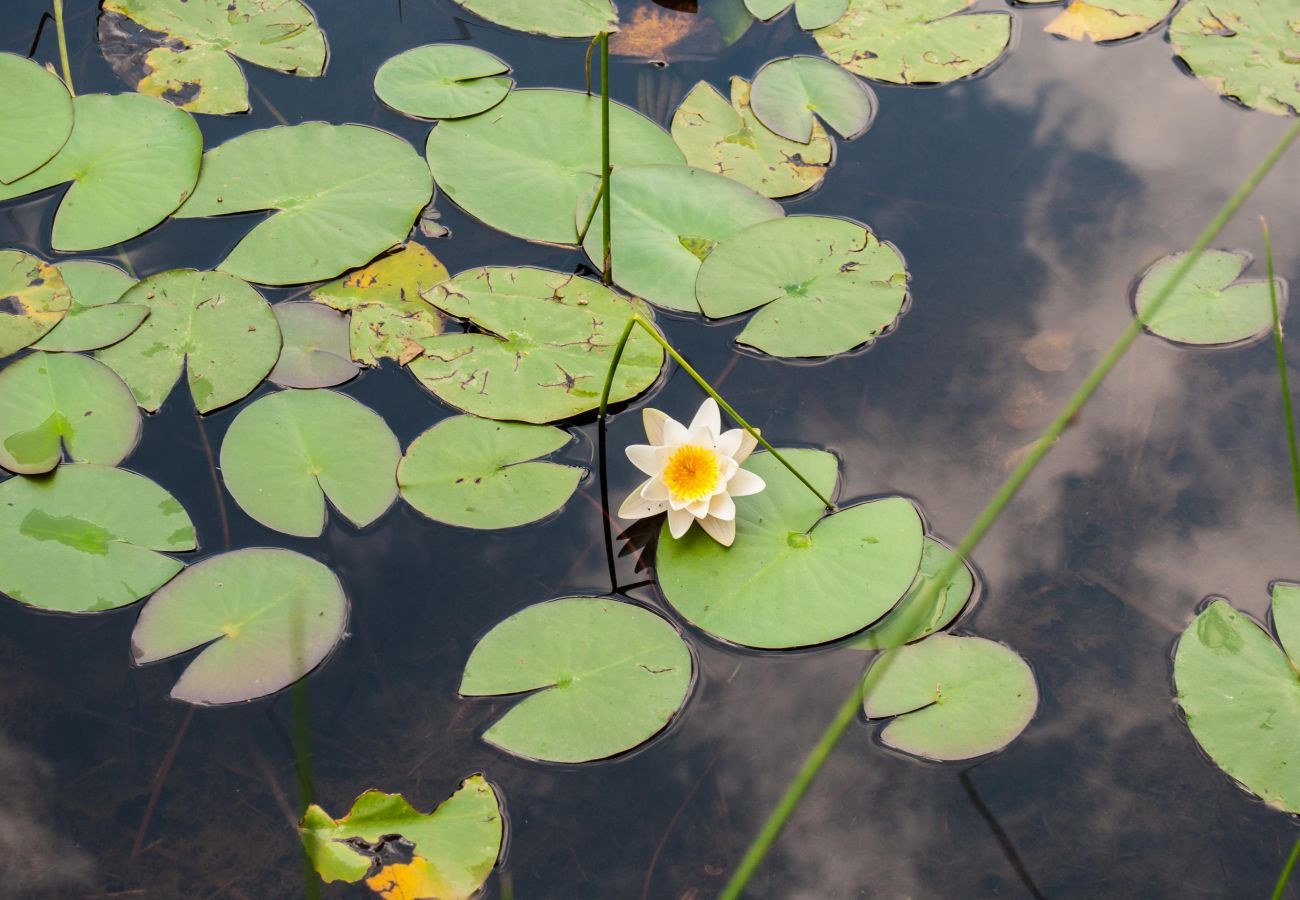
(63, 46)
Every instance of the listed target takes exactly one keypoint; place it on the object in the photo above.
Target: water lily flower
(694, 473)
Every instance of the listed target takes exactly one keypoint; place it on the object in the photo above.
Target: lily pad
(286, 453)
(601, 677)
(33, 299)
(1209, 307)
(666, 219)
(1241, 695)
(522, 167)
(264, 618)
(315, 352)
(1107, 20)
(727, 138)
(122, 184)
(794, 577)
(88, 538)
(35, 116)
(542, 348)
(184, 52)
(918, 42)
(50, 402)
(951, 697)
(1246, 50)
(454, 848)
(443, 81)
(344, 194)
(390, 320)
(810, 13)
(214, 326)
(825, 285)
(95, 319)
(482, 474)
(557, 18)
(791, 93)
(910, 621)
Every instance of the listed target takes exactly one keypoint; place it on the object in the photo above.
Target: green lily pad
(522, 167)
(35, 116)
(344, 194)
(951, 697)
(791, 93)
(1246, 50)
(482, 474)
(390, 320)
(557, 18)
(214, 326)
(53, 401)
(184, 52)
(95, 319)
(88, 538)
(443, 81)
(265, 618)
(122, 185)
(1107, 20)
(315, 352)
(286, 453)
(810, 13)
(666, 219)
(601, 678)
(794, 577)
(33, 299)
(825, 285)
(1241, 696)
(727, 138)
(542, 348)
(455, 847)
(910, 621)
(918, 42)
(1209, 307)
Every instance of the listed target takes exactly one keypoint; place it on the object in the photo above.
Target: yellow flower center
(692, 473)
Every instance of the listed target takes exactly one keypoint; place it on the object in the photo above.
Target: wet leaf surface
(35, 116)
(910, 620)
(95, 318)
(789, 94)
(1246, 50)
(557, 18)
(33, 299)
(315, 352)
(1210, 307)
(443, 81)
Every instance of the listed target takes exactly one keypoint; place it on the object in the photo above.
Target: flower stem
(63, 46)
(780, 815)
(605, 170)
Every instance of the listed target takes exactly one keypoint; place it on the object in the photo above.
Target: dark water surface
(1025, 202)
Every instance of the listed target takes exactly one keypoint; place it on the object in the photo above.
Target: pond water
(1025, 202)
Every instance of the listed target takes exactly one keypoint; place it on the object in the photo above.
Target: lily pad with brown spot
(1246, 50)
(33, 299)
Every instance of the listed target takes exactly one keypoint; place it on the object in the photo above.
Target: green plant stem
(1287, 411)
(63, 46)
(708, 389)
(591, 213)
(1280, 889)
(830, 737)
(605, 170)
(587, 68)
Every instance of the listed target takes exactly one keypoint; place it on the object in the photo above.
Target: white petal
(638, 507)
(655, 489)
(729, 441)
(727, 468)
(744, 483)
(699, 509)
(708, 416)
(654, 421)
(722, 507)
(675, 433)
(721, 530)
(747, 444)
(674, 503)
(679, 522)
(700, 436)
(645, 458)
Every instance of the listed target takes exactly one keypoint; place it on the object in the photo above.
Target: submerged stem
(605, 170)
(63, 46)
(1287, 412)
(1280, 889)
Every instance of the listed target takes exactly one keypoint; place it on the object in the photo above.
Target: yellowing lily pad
(33, 299)
(95, 318)
(1108, 20)
(35, 116)
(315, 352)
(1209, 308)
(443, 81)
(1246, 50)
(557, 18)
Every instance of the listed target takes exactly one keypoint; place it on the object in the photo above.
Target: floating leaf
(184, 52)
(810, 13)
(558, 18)
(1107, 20)
(909, 620)
(35, 116)
(794, 577)
(87, 538)
(951, 697)
(543, 346)
(132, 161)
(286, 453)
(481, 474)
(829, 285)
(1246, 50)
(344, 194)
(1209, 307)
(95, 319)
(53, 401)
(315, 352)
(602, 677)
(210, 324)
(522, 166)
(918, 42)
(789, 94)
(666, 219)
(265, 618)
(728, 139)
(443, 81)
(33, 299)
(390, 320)
(451, 850)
